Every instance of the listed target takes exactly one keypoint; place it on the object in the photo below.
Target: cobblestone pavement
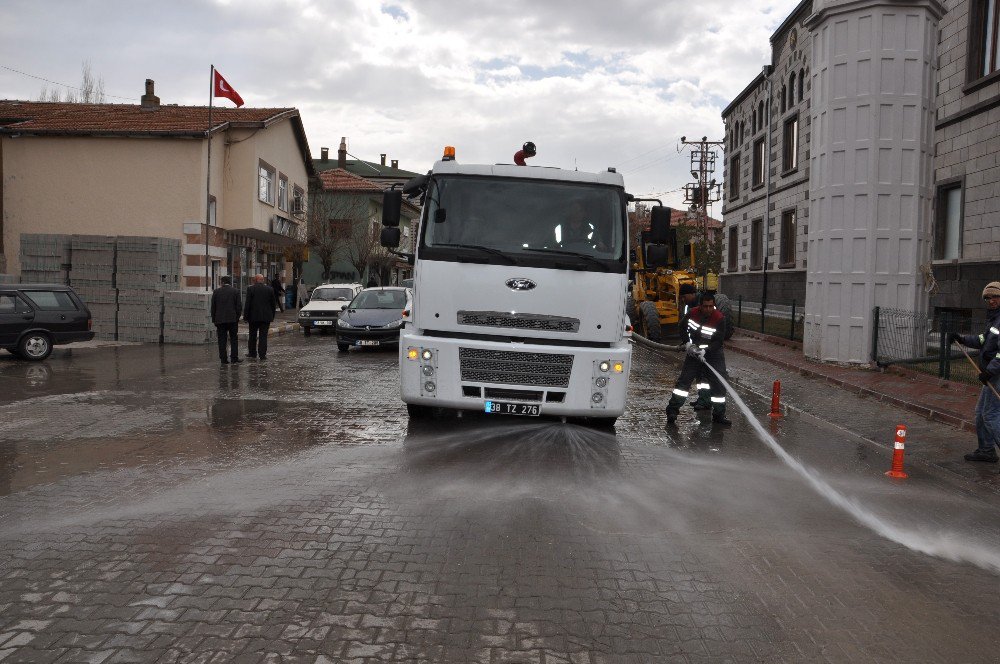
(156, 507)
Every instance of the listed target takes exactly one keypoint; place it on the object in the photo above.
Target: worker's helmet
(529, 149)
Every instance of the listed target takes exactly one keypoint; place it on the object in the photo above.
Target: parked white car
(324, 306)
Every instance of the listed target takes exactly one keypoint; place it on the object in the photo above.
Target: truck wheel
(633, 316)
(417, 412)
(603, 422)
(650, 319)
(343, 348)
(35, 346)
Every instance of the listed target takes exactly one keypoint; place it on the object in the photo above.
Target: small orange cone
(776, 400)
(897, 454)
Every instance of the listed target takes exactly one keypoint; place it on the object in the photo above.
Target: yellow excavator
(654, 303)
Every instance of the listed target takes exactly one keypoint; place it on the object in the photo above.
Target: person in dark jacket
(259, 312)
(704, 333)
(226, 307)
(988, 406)
(279, 292)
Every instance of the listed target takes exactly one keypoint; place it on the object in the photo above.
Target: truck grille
(519, 321)
(515, 368)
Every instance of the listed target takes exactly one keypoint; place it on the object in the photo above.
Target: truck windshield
(527, 220)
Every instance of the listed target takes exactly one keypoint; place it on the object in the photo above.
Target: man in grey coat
(259, 312)
(226, 309)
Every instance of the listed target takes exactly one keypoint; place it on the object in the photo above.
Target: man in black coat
(226, 308)
(279, 292)
(259, 312)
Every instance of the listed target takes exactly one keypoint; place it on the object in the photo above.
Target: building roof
(34, 117)
(37, 118)
(680, 218)
(368, 169)
(338, 179)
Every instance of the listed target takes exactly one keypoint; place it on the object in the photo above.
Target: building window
(756, 244)
(788, 226)
(802, 83)
(791, 90)
(265, 183)
(282, 193)
(212, 220)
(759, 163)
(783, 97)
(734, 238)
(734, 177)
(760, 115)
(984, 43)
(298, 201)
(790, 145)
(948, 233)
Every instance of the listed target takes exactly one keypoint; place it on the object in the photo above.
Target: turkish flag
(221, 88)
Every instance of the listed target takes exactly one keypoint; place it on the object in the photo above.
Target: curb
(280, 328)
(924, 411)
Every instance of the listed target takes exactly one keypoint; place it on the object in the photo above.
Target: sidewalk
(931, 397)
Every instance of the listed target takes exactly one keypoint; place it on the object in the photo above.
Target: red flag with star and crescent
(221, 88)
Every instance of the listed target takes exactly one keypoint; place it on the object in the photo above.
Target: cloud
(593, 84)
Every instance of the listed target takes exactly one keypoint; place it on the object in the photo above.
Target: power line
(71, 87)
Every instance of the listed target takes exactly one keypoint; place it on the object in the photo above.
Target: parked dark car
(373, 318)
(36, 317)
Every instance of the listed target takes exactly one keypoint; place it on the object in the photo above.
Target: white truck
(520, 275)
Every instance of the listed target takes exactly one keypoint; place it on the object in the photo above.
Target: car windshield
(328, 294)
(519, 217)
(379, 299)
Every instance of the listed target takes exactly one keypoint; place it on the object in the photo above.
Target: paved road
(155, 506)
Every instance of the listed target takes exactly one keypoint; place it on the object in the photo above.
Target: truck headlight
(604, 366)
(427, 354)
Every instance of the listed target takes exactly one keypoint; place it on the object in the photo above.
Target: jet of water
(943, 545)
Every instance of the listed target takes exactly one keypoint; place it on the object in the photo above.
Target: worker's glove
(690, 349)
(984, 378)
(954, 338)
(700, 353)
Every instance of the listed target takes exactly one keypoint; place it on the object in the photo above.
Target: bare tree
(364, 249)
(91, 89)
(333, 219)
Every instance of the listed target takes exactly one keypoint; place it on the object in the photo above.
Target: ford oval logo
(520, 284)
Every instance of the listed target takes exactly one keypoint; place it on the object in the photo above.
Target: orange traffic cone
(897, 454)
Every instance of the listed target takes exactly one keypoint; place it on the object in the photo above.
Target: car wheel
(417, 412)
(343, 348)
(306, 331)
(35, 346)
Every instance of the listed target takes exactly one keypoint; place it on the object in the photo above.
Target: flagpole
(208, 175)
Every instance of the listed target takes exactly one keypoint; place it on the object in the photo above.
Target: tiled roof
(337, 179)
(364, 168)
(30, 117)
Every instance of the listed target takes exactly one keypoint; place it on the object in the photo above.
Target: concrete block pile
(140, 315)
(148, 263)
(187, 317)
(92, 276)
(45, 258)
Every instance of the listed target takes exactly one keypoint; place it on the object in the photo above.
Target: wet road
(155, 506)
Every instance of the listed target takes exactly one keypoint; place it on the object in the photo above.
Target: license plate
(367, 342)
(508, 408)
(323, 322)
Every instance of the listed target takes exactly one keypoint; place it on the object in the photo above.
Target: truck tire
(633, 316)
(34, 346)
(650, 321)
(417, 412)
(603, 422)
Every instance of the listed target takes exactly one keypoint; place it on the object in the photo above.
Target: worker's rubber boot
(719, 417)
(704, 400)
(674, 407)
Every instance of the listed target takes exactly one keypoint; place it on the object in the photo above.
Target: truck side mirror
(659, 224)
(389, 237)
(392, 205)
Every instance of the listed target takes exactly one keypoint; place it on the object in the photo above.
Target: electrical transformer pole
(699, 195)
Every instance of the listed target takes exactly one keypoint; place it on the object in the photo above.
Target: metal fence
(780, 319)
(921, 342)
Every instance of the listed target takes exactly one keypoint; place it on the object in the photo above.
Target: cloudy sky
(593, 84)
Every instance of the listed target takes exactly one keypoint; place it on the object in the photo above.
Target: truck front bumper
(465, 374)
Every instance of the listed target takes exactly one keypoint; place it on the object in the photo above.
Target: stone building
(895, 199)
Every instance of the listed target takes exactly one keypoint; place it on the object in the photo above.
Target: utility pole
(699, 195)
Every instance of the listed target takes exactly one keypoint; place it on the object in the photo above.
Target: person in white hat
(988, 407)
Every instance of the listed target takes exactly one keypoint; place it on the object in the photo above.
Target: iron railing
(775, 318)
(921, 342)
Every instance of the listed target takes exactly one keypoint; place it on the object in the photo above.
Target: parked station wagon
(36, 317)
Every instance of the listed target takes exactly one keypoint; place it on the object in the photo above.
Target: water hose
(977, 368)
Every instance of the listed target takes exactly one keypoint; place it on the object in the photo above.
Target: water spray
(946, 546)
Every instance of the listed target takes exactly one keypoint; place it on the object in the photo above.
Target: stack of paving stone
(187, 318)
(45, 258)
(147, 263)
(140, 315)
(92, 276)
